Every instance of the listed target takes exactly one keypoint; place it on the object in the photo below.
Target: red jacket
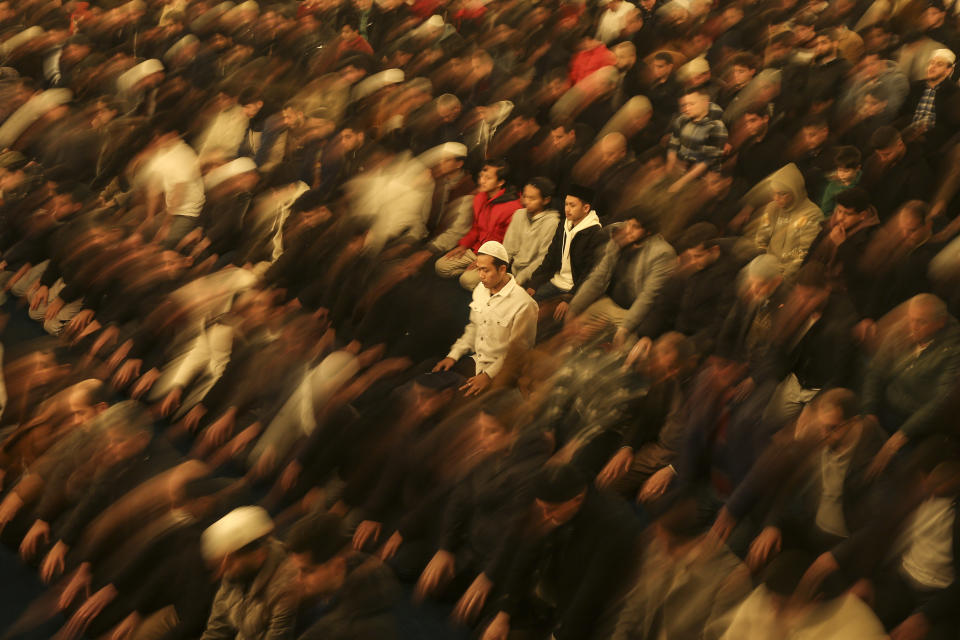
(586, 62)
(491, 217)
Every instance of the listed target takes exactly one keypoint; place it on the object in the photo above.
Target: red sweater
(491, 217)
(586, 62)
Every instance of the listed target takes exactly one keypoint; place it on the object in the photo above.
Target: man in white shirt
(613, 20)
(502, 316)
(174, 186)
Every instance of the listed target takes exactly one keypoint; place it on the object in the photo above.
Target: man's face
(782, 199)
(892, 153)
(814, 136)
(661, 69)
(824, 47)
(575, 209)
(870, 106)
(532, 199)
(700, 257)
(629, 233)
(448, 113)
(938, 70)
(242, 565)
(832, 424)
(488, 180)
(912, 229)
(561, 138)
(318, 579)
(492, 436)
(347, 32)
(741, 75)
(559, 513)
(694, 105)
(490, 275)
(932, 17)
(922, 323)
(753, 124)
(846, 217)
(350, 139)
(448, 166)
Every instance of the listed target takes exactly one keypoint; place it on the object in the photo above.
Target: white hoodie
(563, 279)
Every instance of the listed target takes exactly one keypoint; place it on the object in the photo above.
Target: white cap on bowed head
(494, 249)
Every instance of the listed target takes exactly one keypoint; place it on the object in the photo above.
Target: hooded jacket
(787, 232)
(491, 217)
(586, 244)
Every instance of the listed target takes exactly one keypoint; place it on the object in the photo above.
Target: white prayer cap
(208, 16)
(129, 78)
(435, 21)
(179, 45)
(377, 81)
(234, 531)
(494, 249)
(15, 42)
(693, 68)
(224, 172)
(249, 5)
(674, 5)
(944, 54)
(439, 153)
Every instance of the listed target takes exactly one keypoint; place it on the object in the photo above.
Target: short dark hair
(855, 198)
(650, 223)
(784, 38)
(884, 137)
(319, 536)
(500, 164)
(700, 91)
(700, 234)
(567, 124)
(745, 59)
(544, 185)
(847, 157)
(813, 120)
(349, 19)
(249, 95)
(665, 56)
(759, 109)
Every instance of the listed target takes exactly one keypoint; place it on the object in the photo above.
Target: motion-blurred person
(620, 290)
(257, 597)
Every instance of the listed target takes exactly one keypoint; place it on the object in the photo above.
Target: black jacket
(580, 564)
(585, 251)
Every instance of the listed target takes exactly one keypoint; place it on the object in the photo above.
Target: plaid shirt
(700, 141)
(926, 115)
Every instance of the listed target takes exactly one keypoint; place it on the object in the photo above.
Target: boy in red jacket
(493, 208)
